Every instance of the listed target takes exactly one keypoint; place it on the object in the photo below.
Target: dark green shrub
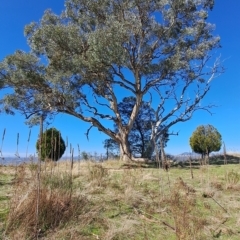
(205, 139)
(53, 146)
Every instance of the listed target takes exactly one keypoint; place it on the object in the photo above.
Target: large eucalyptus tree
(82, 59)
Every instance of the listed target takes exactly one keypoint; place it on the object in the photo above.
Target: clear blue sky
(225, 90)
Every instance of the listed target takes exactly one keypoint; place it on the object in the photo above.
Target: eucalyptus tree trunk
(125, 152)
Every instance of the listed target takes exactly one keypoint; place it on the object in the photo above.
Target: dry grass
(111, 201)
(56, 205)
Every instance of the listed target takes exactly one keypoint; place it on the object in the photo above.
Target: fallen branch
(218, 204)
(168, 225)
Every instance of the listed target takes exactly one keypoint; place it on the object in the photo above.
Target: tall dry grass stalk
(79, 158)
(28, 140)
(1, 153)
(36, 208)
(224, 153)
(17, 153)
(190, 165)
(38, 197)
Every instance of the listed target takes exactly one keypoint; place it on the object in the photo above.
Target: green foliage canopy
(53, 146)
(205, 139)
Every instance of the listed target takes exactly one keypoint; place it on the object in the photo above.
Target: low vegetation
(113, 200)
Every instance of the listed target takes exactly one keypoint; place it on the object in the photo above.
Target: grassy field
(113, 200)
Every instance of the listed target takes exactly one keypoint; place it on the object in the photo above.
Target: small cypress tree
(205, 139)
(53, 146)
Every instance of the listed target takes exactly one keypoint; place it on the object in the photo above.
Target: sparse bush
(217, 185)
(33, 167)
(232, 177)
(97, 173)
(189, 222)
(85, 155)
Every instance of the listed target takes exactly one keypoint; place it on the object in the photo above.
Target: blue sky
(225, 90)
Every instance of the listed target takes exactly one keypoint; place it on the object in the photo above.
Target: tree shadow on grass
(216, 160)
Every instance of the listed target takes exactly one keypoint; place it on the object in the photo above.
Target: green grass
(133, 203)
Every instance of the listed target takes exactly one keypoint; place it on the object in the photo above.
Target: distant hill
(185, 156)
